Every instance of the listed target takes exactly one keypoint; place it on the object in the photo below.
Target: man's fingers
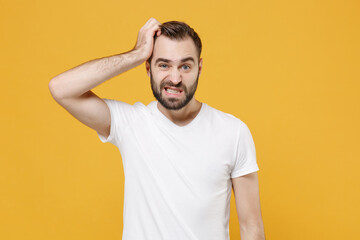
(147, 25)
(149, 30)
(151, 22)
(156, 21)
(158, 32)
(145, 36)
(154, 30)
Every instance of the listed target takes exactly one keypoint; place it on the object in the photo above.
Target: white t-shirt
(178, 178)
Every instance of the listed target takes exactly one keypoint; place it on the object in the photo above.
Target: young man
(181, 157)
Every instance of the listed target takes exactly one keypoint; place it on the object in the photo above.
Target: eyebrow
(167, 60)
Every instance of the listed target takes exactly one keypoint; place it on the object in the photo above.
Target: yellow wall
(288, 69)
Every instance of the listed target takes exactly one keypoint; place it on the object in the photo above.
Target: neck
(182, 116)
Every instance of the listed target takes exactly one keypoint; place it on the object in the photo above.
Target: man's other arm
(246, 191)
(72, 88)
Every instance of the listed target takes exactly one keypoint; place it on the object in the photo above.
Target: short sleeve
(245, 161)
(122, 115)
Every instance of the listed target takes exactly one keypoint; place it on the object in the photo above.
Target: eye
(185, 67)
(162, 65)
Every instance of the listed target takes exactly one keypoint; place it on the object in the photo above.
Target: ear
(200, 65)
(147, 65)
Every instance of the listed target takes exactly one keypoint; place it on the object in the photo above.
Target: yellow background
(288, 69)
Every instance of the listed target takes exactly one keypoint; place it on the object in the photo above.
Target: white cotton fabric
(178, 178)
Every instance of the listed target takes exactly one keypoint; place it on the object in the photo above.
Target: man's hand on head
(145, 40)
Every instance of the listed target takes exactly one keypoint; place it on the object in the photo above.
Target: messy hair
(178, 31)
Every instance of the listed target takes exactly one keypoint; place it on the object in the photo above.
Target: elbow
(55, 89)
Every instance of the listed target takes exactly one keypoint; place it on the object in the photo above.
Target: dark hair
(178, 31)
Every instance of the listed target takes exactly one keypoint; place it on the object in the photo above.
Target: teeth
(172, 90)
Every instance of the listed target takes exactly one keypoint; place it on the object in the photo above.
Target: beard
(169, 102)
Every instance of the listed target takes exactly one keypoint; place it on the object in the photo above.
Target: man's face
(174, 72)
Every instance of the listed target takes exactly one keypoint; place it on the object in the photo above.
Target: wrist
(139, 55)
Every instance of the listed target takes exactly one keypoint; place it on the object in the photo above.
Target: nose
(175, 76)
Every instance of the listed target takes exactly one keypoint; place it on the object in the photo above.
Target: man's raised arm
(72, 88)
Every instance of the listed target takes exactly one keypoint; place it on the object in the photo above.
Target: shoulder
(126, 111)
(124, 105)
(224, 118)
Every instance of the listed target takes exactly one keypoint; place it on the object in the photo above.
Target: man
(181, 157)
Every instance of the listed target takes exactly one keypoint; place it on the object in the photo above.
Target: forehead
(173, 49)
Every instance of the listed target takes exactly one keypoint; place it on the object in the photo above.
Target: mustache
(170, 84)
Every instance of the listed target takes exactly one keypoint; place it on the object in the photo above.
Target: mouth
(171, 91)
